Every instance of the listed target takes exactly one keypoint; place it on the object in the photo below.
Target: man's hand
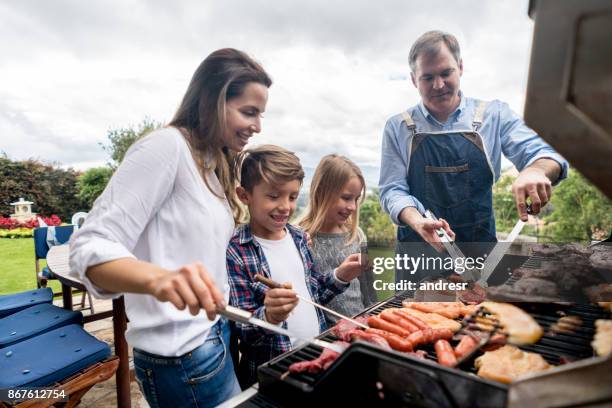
(535, 182)
(190, 286)
(279, 303)
(426, 228)
(350, 268)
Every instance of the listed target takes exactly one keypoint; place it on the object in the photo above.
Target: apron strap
(478, 115)
(409, 122)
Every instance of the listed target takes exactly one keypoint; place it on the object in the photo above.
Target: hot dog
(429, 336)
(398, 320)
(396, 342)
(373, 338)
(465, 346)
(414, 320)
(378, 323)
(445, 353)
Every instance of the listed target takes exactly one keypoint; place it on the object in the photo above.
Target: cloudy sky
(72, 70)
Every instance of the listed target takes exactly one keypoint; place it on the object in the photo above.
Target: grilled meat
(451, 310)
(508, 363)
(566, 325)
(475, 295)
(433, 320)
(358, 334)
(602, 342)
(344, 327)
(445, 353)
(599, 293)
(320, 363)
(520, 326)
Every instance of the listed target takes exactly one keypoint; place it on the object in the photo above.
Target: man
(444, 154)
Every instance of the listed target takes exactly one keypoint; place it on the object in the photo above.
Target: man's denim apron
(451, 175)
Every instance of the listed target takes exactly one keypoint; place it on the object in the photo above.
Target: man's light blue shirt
(502, 130)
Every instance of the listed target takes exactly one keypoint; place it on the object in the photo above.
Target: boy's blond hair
(330, 177)
(268, 163)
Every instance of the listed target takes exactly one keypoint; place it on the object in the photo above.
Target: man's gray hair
(429, 44)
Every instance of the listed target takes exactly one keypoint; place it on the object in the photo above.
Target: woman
(159, 232)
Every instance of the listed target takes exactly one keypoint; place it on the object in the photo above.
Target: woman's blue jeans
(203, 377)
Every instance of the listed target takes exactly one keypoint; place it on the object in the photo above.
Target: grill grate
(555, 348)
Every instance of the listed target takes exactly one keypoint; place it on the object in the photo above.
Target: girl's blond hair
(330, 177)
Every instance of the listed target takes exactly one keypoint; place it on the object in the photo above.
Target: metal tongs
(474, 275)
(242, 316)
(469, 274)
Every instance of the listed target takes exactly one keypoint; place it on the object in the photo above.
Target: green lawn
(17, 266)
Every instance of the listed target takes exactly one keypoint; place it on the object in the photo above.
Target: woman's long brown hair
(223, 75)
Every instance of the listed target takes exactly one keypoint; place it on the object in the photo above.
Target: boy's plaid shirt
(245, 258)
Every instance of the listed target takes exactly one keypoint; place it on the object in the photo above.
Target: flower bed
(11, 228)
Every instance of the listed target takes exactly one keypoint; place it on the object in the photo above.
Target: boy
(270, 181)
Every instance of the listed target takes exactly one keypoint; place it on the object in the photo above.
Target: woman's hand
(190, 286)
(350, 268)
(279, 303)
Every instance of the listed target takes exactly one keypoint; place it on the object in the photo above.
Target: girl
(332, 221)
(159, 232)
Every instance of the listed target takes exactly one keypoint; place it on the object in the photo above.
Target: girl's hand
(350, 268)
(279, 303)
(190, 286)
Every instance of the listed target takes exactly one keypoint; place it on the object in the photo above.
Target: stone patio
(104, 394)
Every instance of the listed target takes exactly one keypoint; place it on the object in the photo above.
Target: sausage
(445, 353)
(429, 336)
(396, 342)
(398, 320)
(372, 338)
(465, 346)
(414, 320)
(378, 323)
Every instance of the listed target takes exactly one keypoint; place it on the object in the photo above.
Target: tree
(375, 223)
(92, 183)
(52, 189)
(122, 139)
(580, 211)
(503, 204)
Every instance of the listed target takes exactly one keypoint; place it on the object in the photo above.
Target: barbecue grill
(369, 376)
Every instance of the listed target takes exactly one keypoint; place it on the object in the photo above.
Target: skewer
(273, 284)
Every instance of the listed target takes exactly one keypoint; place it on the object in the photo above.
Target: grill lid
(569, 90)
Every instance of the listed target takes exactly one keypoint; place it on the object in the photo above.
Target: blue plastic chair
(42, 242)
(41, 248)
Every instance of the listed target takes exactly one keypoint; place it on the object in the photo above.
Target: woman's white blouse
(157, 208)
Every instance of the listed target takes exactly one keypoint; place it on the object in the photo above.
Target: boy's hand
(279, 303)
(350, 268)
